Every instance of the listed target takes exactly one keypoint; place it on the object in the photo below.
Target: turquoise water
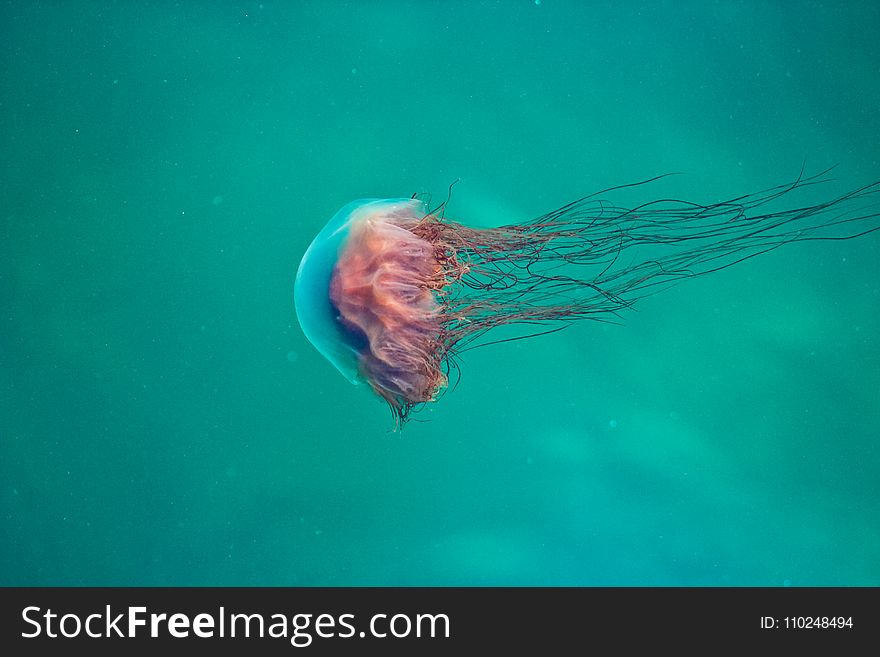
(164, 421)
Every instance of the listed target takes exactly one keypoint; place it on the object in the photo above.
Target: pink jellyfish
(391, 291)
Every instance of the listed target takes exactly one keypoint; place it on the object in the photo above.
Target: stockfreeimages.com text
(300, 629)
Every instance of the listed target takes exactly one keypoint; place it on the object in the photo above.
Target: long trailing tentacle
(592, 259)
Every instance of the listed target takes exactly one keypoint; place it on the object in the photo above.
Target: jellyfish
(392, 293)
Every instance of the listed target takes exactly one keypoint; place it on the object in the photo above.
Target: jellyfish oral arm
(383, 287)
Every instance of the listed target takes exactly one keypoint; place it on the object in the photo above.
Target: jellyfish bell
(316, 315)
(362, 301)
(391, 293)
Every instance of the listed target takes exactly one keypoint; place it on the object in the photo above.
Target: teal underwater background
(163, 421)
